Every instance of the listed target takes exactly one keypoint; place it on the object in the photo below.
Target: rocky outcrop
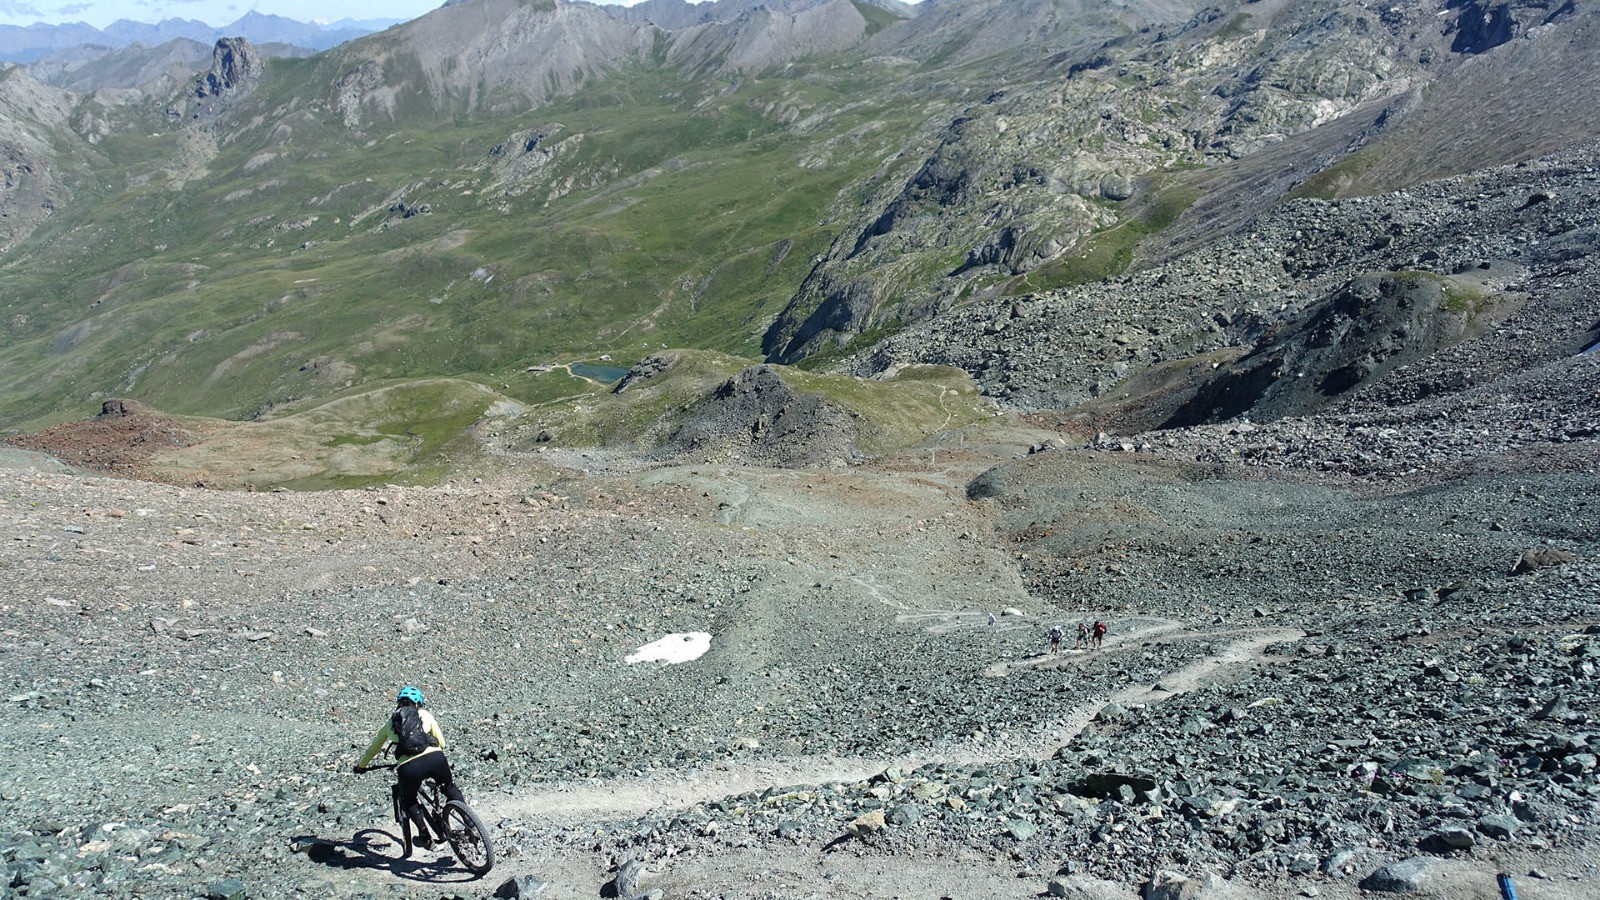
(235, 67)
(756, 418)
(154, 71)
(1364, 330)
(121, 440)
(1482, 25)
(24, 196)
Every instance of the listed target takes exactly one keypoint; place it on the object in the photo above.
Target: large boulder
(235, 64)
(1541, 558)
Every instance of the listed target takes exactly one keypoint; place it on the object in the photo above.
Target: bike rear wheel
(468, 836)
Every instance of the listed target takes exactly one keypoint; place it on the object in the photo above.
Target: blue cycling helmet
(411, 694)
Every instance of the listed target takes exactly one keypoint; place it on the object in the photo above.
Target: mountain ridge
(26, 44)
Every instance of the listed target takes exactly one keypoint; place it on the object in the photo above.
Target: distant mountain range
(28, 44)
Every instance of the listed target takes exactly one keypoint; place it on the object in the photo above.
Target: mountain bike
(451, 819)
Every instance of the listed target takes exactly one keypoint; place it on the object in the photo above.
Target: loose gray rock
(227, 889)
(1499, 827)
(521, 886)
(627, 881)
(1404, 877)
(905, 814)
(1167, 885)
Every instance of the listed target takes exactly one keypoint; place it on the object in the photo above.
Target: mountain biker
(419, 755)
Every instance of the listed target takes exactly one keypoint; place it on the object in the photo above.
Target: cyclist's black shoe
(424, 842)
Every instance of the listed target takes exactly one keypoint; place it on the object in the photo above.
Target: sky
(213, 12)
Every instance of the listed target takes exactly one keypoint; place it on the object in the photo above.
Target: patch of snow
(674, 648)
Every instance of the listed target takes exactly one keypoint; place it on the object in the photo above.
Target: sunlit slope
(681, 392)
(291, 256)
(421, 430)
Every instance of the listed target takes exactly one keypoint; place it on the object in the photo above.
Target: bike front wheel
(468, 836)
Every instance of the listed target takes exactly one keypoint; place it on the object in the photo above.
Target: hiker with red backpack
(419, 756)
(1100, 630)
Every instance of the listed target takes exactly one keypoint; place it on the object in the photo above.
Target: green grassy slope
(667, 213)
(399, 433)
(894, 413)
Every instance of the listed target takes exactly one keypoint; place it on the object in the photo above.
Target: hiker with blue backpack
(419, 756)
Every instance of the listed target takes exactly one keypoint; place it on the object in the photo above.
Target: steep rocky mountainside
(481, 54)
(1342, 101)
(1487, 274)
(33, 119)
(1307, 689)
(497, 56)
(673, 15)
(1019, 34)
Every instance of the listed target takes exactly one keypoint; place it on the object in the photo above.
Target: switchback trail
(624, 798)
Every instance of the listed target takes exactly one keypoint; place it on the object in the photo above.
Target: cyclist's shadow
(374, 848)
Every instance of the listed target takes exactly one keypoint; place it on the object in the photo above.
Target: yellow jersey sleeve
(385, 735)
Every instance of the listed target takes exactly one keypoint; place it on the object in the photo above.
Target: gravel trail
(625, 798)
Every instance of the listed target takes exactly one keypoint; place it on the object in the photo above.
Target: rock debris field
(1310, 688)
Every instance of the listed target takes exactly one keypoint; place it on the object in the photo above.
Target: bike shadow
(375, 849)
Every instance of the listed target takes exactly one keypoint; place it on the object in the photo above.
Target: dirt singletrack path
(625, 798)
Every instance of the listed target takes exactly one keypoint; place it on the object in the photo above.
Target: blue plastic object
(1508, 891)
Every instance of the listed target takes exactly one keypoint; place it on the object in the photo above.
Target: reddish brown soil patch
(119, 441)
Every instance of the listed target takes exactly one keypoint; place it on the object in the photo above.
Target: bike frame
(436, 813)
(432, 803)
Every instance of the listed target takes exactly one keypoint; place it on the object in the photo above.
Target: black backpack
(410, 737)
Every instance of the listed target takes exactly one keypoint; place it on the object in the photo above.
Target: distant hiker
(1082, 643)
(1056, 634)
(991, 618)
(419, 756)
(1099, 634)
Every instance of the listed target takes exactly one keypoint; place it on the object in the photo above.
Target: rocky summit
(715, 408)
